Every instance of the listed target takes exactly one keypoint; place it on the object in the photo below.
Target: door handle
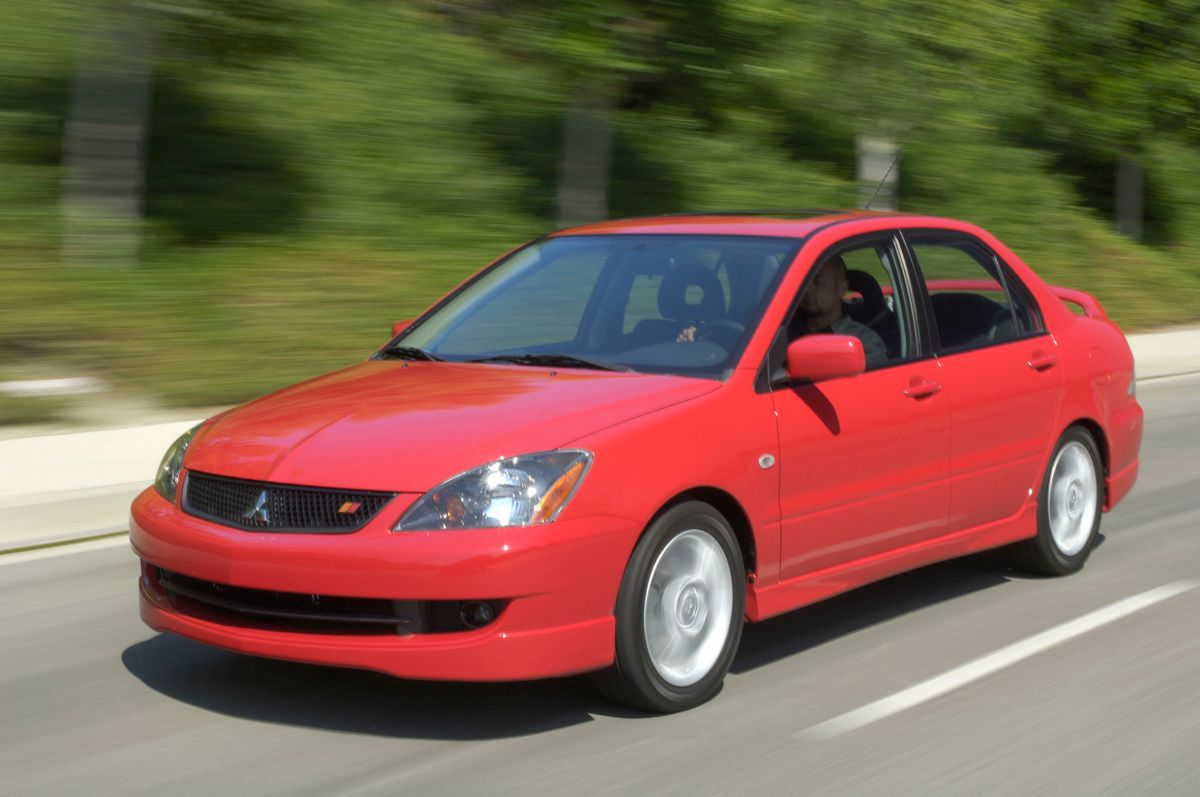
(1040, 361)
(922, 388)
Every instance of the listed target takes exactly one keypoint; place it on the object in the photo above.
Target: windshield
(655, 303)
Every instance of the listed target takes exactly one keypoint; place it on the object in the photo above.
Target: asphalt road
(93, 702)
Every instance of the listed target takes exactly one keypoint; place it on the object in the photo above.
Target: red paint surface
(818, 357)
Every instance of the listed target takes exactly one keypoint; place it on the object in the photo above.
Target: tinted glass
(973, 304)
(661, 303)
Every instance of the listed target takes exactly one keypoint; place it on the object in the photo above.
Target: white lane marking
(992, 662)
(63, 550)
(1173, 375)
(67, 386)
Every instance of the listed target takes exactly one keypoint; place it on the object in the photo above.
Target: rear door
(864, 461)
(1000, 369)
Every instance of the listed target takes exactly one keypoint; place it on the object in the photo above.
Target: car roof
(769, 223)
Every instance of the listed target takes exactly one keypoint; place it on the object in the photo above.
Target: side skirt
(770, 600)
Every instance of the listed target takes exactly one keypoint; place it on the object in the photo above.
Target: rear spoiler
(1085, 301)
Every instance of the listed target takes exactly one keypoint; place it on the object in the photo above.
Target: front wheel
(679, 612)
(1069, 508)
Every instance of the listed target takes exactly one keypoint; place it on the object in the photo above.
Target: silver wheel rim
(688, 606)
(1073, 498)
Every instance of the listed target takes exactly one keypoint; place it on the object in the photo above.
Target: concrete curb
(33, 466)
(60, 487)
(79, 483)
(1169, 353)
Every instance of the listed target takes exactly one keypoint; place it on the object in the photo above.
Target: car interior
(718, 300)
(870, 307)
(979, 312)
(970, 319)
(689, 294)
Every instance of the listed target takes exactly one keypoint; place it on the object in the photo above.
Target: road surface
(960, 678)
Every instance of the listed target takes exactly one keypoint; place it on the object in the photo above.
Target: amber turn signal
(558, 493)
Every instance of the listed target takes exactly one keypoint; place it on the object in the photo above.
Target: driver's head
(827, 288)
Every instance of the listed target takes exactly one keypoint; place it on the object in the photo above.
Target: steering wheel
(723, 332)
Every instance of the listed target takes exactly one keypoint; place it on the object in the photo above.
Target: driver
(821, 311)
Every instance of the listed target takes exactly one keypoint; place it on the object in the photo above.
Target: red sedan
(610, 448)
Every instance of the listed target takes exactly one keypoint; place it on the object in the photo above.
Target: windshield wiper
(562, 360)
(409, 353)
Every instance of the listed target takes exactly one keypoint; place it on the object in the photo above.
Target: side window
(854, 291)
(970, 293)
(1027, 315)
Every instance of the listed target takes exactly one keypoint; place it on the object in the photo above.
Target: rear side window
(975, 300)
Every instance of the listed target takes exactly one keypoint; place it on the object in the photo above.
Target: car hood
(408, 426)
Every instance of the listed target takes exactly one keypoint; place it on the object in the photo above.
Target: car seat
(873, 310)
(673, 305)
(872, 307)
(965, 319)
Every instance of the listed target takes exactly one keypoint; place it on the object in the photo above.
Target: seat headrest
(863, 283)
(673, 294)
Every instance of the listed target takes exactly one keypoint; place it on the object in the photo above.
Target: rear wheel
(1069, 508)
(679, 612)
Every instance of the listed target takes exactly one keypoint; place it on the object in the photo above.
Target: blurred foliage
(1125, 76)
(26, 410)
(317, 169)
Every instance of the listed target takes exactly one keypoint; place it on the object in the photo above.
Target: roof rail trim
(742, 212)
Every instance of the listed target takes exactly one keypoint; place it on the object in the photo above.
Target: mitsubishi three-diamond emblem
(260, 512)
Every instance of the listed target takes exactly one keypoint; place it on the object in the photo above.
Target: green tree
(888, 70)
(1116, 74)
(609, 54)
(105, 133)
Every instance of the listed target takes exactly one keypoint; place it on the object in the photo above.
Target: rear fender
(1098, 369)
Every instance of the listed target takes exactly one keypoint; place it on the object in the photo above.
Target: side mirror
(814, 358)
(400, 326)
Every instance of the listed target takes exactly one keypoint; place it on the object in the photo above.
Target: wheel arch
(1092, 427)
(730, 508)
(1097, 433)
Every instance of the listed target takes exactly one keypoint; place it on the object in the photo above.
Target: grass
(22, 410)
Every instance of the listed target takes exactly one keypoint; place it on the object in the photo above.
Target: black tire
(1044, 554)
(633, 678)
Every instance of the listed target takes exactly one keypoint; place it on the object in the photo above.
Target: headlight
(518, 491)
(167, 480)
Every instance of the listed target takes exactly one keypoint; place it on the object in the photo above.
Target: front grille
(263, 506)
(326, 614)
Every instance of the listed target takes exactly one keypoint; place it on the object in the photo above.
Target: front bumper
(559, 582)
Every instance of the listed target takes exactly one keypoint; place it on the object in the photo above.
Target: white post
(584, 167)
(104, 142)
(878, 171)
(1129, 190)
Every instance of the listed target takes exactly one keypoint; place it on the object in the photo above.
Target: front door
(864, 461)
